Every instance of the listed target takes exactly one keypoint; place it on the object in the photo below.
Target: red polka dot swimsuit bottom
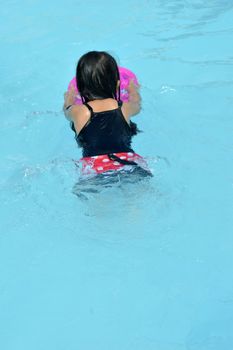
(112, 162)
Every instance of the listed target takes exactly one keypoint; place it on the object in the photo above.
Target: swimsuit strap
(112, 156)
(89, 107)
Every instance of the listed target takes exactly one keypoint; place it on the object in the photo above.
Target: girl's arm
(69, 99)
(133, 106)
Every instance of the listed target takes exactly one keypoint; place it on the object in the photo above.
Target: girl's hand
(69, 97)
(133, 90)
(69, 100)
(133, 106)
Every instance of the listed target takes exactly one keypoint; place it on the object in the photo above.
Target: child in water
(102, 124)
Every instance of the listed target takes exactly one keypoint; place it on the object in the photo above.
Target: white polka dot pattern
(103, 163)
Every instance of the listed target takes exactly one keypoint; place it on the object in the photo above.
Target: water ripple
(186, 35)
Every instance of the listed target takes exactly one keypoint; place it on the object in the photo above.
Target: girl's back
(106, 131)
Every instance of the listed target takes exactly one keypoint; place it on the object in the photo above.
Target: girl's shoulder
(79, 115)
(79, 111)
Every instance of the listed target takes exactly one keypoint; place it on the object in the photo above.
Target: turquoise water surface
(142, 266)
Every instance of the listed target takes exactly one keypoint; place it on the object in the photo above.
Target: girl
(102, 123)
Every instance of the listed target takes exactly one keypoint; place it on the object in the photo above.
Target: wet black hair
(97, 76)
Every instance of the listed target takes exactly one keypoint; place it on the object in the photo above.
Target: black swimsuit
(105, 132)
(106, 143)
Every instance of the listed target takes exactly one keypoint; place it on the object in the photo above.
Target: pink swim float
(125, 77)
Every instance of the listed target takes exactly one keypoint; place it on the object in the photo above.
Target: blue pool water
(144, 266)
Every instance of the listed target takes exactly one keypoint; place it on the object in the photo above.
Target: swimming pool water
(136, 266)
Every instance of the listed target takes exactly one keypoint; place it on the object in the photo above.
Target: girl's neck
(103, 104)
(102, 99)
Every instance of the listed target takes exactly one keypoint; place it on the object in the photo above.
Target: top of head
(97, 76)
